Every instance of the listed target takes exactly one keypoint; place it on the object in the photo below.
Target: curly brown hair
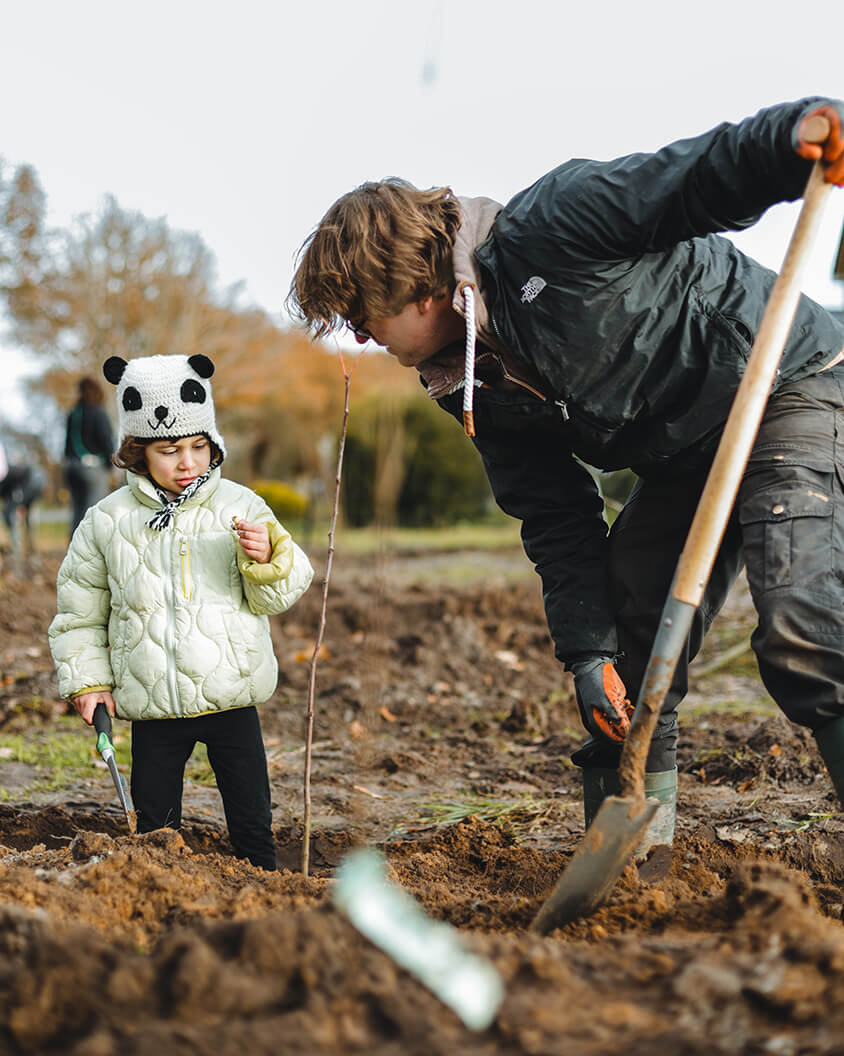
(377, 249)
(132, 454)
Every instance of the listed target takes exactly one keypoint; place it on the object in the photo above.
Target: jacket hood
(477, 215)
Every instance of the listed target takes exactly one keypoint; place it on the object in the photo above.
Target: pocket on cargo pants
(787, 527)
(791, 509)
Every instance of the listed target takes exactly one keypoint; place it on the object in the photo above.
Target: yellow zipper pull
(184, 551)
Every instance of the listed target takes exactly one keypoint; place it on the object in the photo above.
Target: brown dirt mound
(722, 957)
(432, 704)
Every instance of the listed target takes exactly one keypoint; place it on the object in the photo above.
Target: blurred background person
(88, 449)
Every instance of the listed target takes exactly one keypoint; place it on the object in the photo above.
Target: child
(163, 600)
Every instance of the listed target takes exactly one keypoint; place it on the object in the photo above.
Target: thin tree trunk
(309, 729)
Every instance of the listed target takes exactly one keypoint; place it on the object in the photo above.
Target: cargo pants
(787, 528)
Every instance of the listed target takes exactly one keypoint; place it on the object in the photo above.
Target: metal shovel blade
(122, 790)
(598, 862)
(102, 724)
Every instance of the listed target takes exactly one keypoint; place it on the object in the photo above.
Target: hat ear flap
(113, 369)
(202, 365)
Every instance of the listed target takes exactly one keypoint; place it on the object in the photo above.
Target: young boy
(163, 601)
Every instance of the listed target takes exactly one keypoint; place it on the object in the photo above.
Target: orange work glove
(601, 697)
(829, 150)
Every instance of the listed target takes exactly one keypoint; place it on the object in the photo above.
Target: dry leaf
(304, 655)
(509, 659)
(366, 792)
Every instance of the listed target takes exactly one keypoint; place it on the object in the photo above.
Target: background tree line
(116, 282)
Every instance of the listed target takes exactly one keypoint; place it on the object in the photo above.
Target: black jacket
(608, 285)
(88, 432)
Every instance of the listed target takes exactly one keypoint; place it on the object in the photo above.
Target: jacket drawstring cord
(468, 293)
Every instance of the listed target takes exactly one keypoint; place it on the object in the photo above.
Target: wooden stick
(309, 727)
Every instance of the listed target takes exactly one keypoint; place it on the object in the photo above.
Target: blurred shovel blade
(607, 847)
(431, 950)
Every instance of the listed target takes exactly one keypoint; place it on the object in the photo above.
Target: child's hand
(255, 540)
(85, 704)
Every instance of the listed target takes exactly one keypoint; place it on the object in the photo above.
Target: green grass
(487, 535)
(516, 816)
(65, 753)
(800, 825)
(760, 705)
(198, 771)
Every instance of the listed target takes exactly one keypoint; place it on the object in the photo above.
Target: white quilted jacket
(175, 621)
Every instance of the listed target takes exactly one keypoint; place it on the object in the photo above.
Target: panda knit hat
(164, 397)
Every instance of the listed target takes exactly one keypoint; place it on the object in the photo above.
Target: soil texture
(442, 733)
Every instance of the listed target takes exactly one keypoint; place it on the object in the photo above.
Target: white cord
(469, 370)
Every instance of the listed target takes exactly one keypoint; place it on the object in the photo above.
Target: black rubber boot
(830, 740)
(599, 783)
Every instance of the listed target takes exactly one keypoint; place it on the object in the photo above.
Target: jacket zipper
(184, 553)
(564, 411)
(170, 632)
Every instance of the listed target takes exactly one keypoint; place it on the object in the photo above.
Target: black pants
(87, 485)
(787, 526)
(162, 747)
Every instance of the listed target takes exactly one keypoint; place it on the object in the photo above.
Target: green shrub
(286, 502)
(406, 461)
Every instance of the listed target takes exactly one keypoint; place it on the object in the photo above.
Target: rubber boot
(599, 783)
(830, 740)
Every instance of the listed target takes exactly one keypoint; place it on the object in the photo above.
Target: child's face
(173, 464)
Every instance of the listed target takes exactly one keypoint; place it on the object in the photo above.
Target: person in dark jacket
(614, 324)
(89, 445)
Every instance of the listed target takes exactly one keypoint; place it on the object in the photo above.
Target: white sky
(244, 121)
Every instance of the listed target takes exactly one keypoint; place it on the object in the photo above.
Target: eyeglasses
(360, 332)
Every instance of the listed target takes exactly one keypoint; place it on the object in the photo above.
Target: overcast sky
(244, 121)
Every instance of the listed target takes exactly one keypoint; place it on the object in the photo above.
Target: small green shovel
(102, 724)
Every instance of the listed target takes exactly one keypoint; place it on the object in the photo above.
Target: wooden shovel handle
(815, 129)
(719, 493)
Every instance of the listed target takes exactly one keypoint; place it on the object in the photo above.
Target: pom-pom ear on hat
(164, 397)
(113, 369)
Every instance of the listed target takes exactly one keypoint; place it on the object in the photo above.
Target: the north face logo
(532, 289)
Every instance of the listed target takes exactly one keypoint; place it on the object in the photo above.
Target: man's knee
(799, 645)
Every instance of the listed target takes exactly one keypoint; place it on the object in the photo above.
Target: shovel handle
(102, 720)
(722, 484)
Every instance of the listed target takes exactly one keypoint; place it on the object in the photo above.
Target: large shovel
(620, 823)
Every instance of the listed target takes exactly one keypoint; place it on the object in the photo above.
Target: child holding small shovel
(164, 598)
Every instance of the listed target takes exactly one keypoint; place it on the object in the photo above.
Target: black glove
(601, 697)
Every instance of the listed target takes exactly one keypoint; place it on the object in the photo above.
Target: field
(442, 735)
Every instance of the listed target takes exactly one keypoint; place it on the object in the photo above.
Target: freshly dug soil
(443, 727)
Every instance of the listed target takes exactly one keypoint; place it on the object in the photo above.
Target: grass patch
(761, 706)
(486, 535)
(64, 753)
(785, 824)
(198, 770)
(515, 816)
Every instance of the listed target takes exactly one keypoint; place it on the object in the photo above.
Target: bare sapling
(309, 724)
